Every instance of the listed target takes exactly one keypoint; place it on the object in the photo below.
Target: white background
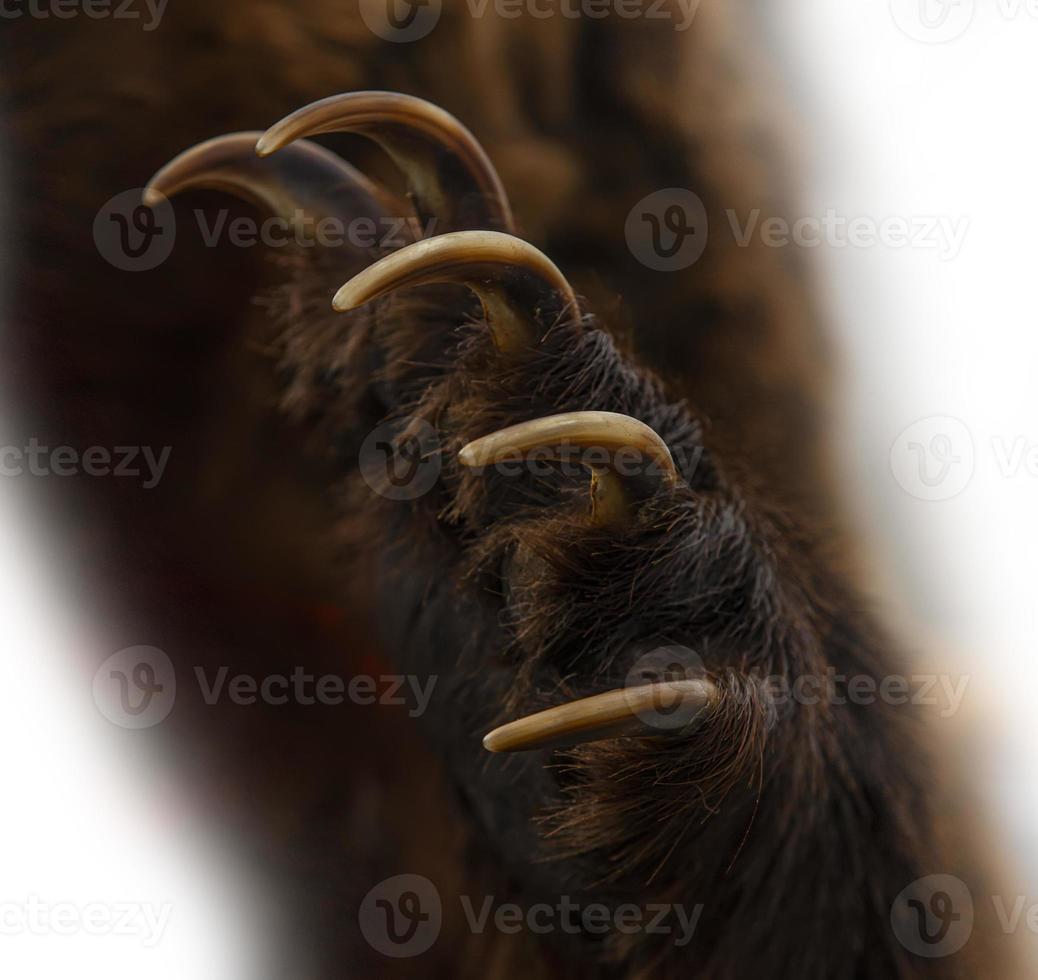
(903, 124)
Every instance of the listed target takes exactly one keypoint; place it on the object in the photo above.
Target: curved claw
(307, 183)
(607, 433)
(626, 712)
(521, 289)
(450, 178)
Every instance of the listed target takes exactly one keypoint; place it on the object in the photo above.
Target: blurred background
(917, 119)
(917, 111)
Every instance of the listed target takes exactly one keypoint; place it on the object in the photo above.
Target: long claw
(605, 432)
(521, 289)
(307, 184)
(450, 178)
(633, 711)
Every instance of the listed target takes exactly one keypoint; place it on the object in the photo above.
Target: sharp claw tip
(265, 146)
(347, 298)
(152, 196)
(467, 456)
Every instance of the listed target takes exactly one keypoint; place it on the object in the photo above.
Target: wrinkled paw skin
(524, 586)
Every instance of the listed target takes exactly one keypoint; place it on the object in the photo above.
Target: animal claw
(521, 289)
(625, 712)
(450, 177)
(307, 183)
(608, 433)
